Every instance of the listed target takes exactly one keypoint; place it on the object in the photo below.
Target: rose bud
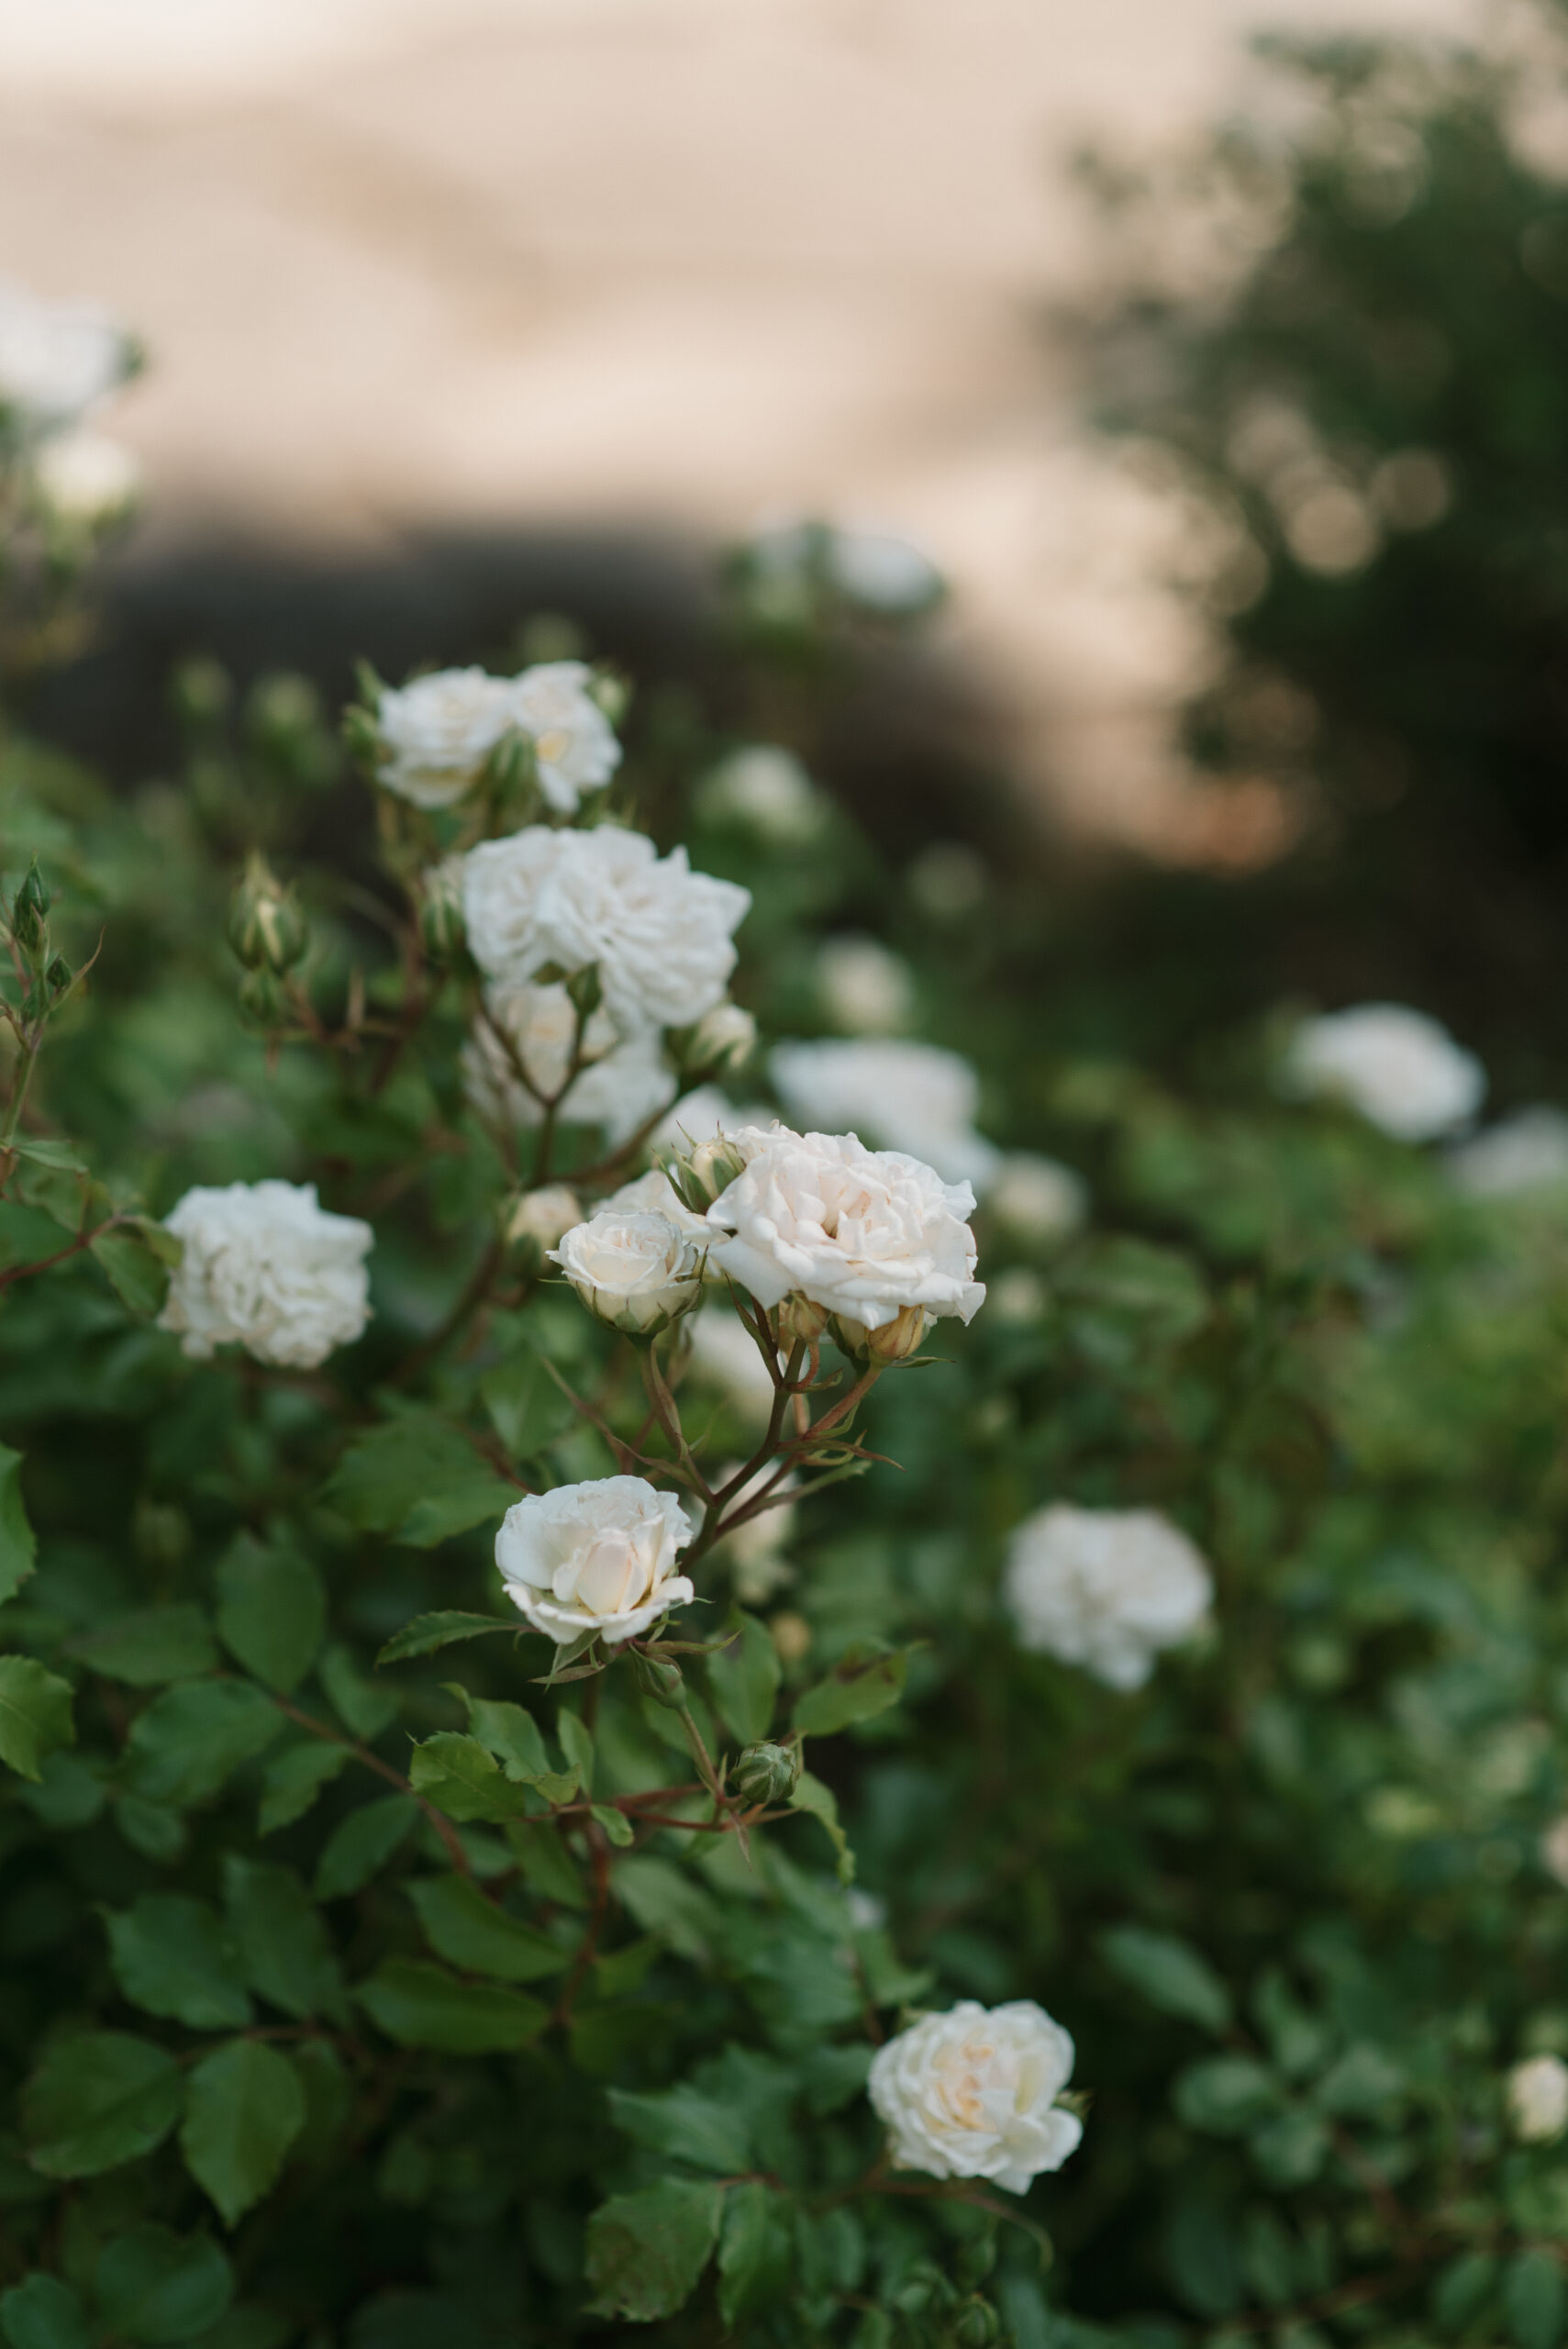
(766, 1772)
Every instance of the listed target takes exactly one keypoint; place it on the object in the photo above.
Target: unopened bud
(58, 978)
(30, 914)
(442, 929)
(699, 1176)
(266, 929)
(766, 1772)
(535, 1220)
(801, 1320)
(660, 1678)
(978, 2327)
(720, 1040)
(585, 991)
(894, 1342)
(263, 999)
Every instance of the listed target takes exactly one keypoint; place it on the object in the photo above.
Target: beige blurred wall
(672, 261)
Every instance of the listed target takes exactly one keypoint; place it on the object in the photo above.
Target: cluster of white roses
(439, 734)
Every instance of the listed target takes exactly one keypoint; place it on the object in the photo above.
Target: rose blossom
(973, 2093)
(1537, 2100)
(438, 731)
(910, 1096)
(265, 1267)
(868, 1235)
(574, 744)
(767, 790)
(1402, 1071)
(596, 1558)
(1526, 1152)
(634, 1270)
(88, 481)
(1104, 1588)
(624, 1084)
(661, 935)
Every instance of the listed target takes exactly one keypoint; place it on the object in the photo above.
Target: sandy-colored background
(664, 261)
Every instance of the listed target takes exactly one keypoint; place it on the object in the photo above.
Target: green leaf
(244, 2109)
(744, 1680)
(527, 1408)
(361, 1844)
(249, 2326)
(419, 2004)
(272, 1610)
(512, 1734)
(99, 2099)
(70, 1793)
(617, 1827)
(684, 2122)
(41, 2312)
(133, 1266)
(667, 1902)
(472, 1932)
(577, 1745)
(753, 2252)
(35, 1714)
(459, 1777)
(155, 2286)
(18, 1545)
(1226, 2095)
(810, 1795)
(151, 1829)
(418, 1479)
(360, 1705)
(646, 2252)
(1171, 1973)
(426, 1633)
(547, 1867)
(186, 1743)
(285, 1953)
(864, 1682)
(172, 1956)
(293, 1779)
(149, 1646)
(1534, 2300)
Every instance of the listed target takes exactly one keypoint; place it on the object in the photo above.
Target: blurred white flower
(58, 360)
(661, 935)
(574, 744)
(1537, 2100)
(870, 1236)
(893, 1092)
(594, 1558)
(725, 1355)
(1553, 1850)
(87, 480)
(864, 988)
(882, 571)
(1035, 1198)
(973, 2093)
(766, 789)
(543, 1216)
(723, 1039)
(625, 1083)
(438, 731)
(1526, 1152)
(634, 1270)
(755, 1551)
(1401, 1070)
(1017, 1295)
(1104, 1588)
(266, 1268)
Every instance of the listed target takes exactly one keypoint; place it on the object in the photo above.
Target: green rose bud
(264, 1001)
(766, 1772)
(30, 915)
(266, 929)
(660, 1678)
(978, 2327)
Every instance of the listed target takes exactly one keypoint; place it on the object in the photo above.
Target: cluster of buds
(267, 932)
(50, 973)
(722, 1041)
(443, 933)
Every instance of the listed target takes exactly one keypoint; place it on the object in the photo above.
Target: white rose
(58, 360)
(972, 2094)
(1035, 1198)
(635, 1271)
(1401, 1070)
(884, 572)
(1537, 2100)
(438, 732)
(87, 480)
(574, 744)
(865, 988)
(869, 1235)
(266, 1268)
(1104, 1588)
(594, 1558)
(910, 1096)
(1528, 1152)
(660, 934)
(766, 789)
(624, 1084)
